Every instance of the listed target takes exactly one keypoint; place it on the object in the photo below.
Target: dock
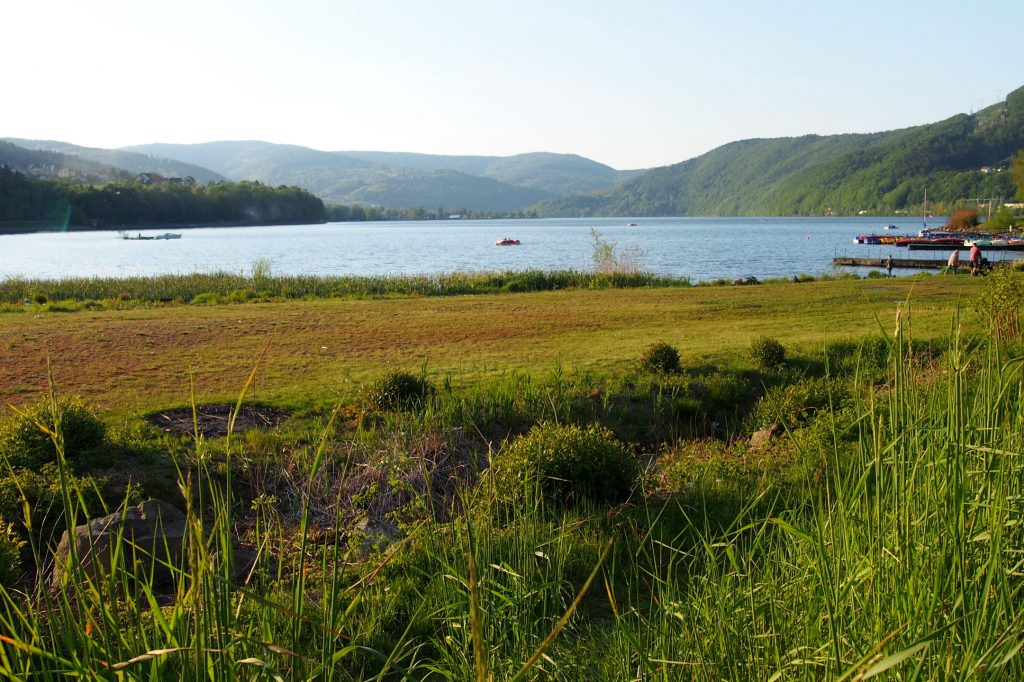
(928, 263)
(925, 263)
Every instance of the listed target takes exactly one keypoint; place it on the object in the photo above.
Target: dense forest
(962, 161)
(55, 204)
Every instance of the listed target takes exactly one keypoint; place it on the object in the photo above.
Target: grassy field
(317, 351)
(825, 484)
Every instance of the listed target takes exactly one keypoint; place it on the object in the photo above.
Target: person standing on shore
(975, 259)
(953, 262)
(888, 265)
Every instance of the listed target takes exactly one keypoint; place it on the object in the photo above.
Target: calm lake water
(699, 248)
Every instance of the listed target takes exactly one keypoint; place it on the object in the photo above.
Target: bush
(998, 306)
(24, 444)
(796, 403)
(397, 391)
(767, 352)
(963, 220)
(660, 358)
(568, 462)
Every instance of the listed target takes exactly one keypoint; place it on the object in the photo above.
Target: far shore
(50, 226)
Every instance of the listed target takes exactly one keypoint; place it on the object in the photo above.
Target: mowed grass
(316, 352)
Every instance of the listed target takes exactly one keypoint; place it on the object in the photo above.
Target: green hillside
(47, 164)
(399, 179)
(398, 188)
(128, 161)
(559, 174)
(878, 173)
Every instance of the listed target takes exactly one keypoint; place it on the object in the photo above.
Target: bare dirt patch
(213, 420)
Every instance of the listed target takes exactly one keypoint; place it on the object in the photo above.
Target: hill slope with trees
(399, 179)
(965, 158)
(27, 204)
(129, 162)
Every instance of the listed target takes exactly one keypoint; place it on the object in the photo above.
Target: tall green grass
(261, 285)
(902, 561)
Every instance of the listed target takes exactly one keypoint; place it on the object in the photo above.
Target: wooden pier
(927, 263)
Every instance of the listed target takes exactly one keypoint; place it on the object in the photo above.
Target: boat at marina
(147, 237)
(507, 241)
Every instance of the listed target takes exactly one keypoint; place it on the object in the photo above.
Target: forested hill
(398, 179)
(44, 204)
(963, 157)
(124, 163)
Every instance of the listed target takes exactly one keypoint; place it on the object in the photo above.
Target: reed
(262, 285)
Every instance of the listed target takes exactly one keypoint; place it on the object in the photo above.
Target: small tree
(1017, 172)
(963, 220)
(1001, 221)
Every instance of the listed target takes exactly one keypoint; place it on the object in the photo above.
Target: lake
(698, 248)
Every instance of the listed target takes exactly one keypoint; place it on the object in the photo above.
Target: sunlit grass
(899, 555)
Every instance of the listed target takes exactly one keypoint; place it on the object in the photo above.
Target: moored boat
(147, 237)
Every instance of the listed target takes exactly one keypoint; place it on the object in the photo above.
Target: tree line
(359, 213)
(52, 203)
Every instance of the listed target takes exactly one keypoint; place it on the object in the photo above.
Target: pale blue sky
(631, 84)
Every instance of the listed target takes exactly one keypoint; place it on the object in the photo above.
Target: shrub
(660, 358)
(1000, 302)
(397, 391)
(24, 444)
(767, 352)
(795, 403)
(568, 462)
(963, 220)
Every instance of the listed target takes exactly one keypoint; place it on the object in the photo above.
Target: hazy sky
(633, 83)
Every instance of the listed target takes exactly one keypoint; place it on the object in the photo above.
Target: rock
(767, 435)
(248, 566)
(153, 534)
(375, 534)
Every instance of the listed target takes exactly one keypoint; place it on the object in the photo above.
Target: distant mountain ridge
(127, 161)
(398, 179)
(957, 161)
(964, 158)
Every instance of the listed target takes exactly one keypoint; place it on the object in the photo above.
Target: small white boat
(146, 237)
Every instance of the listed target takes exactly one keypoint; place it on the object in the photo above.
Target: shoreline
(41, 227)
